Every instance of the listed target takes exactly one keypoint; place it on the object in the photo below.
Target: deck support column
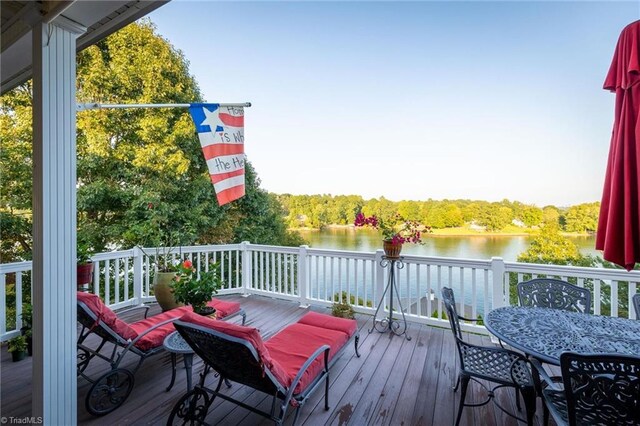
(54, 222)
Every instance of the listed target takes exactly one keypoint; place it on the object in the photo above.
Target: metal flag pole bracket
(95, 105)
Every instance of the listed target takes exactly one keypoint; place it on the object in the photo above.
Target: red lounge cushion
(155, 338)
(224, 308)
(106, 315)
(293, 345)
(345, 325)
(250, 334)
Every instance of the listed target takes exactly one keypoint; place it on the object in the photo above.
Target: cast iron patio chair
(597, 389)
(555, 294)
(501, 366)
(636, 305)
(143, 338)
(289, 366)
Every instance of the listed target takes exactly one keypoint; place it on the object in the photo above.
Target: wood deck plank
(388, 398)
(395, 382)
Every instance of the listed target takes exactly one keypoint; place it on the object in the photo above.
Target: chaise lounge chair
(289, 366)
(142, 338)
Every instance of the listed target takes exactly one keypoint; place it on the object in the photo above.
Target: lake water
(412, 286)
(469, 246)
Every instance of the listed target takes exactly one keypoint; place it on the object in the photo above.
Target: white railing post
(247, 278)
(138, 278)
(303, 283)
(498, 271)
(379, 279)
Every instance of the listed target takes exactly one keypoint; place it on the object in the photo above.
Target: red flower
(187, 264)
(399, 230)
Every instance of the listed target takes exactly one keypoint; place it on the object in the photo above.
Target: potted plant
(195, 289)
(85, 266)
(342, 310)
(18, 348)
(27, 324)
(394, 235)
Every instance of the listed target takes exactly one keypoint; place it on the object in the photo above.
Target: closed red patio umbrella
(619, 223)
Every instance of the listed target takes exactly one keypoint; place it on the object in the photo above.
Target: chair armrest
(467, 319)
(322, 349)
(134, 308)
(544, 376)
(471, 353)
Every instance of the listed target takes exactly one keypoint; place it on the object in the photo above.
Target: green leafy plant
(84, 253)
(27, 315)
(342, 310)
(196, 291)
(343, 297)
(17, 344)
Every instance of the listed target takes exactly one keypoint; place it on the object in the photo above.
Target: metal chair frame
(597, 389)
(469, 354)
(636, 305)
(555, 294)
(110, 390)
(237, 360)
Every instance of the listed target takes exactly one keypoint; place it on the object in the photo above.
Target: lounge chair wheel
(109, 392)
(191, 409)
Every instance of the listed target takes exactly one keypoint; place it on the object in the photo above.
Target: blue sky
(413, 100)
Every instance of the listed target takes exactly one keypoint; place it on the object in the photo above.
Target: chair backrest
(241, 357)
(601, 389)
(450, 305)
(555, 294)
(636, 305)
(97, 317)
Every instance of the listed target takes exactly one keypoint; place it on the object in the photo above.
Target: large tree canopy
(142, 178)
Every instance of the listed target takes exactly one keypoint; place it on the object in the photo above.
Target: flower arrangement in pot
(196, 289)
(394, 233)
(84, 265)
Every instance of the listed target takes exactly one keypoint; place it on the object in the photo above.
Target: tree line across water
(317, 211)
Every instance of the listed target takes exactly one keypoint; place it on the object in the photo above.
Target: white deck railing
(319, 276)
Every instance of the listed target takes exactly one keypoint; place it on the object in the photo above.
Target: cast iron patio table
(545, 333)
(175, 344)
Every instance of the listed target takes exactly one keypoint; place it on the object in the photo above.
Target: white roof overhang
(97, 19)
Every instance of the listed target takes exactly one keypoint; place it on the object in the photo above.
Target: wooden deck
(395, 382)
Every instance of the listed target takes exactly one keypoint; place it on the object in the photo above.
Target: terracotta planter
(85, 276)
(391, 250)
(162, 290)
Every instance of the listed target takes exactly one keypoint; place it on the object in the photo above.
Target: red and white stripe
(224, 154)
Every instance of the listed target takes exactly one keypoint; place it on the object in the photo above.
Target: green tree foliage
(16, 179)
(530, 216)
(142, 178)
(495, 217)
(320, 210)
(551, 216)
(550, 247)
(582, 218)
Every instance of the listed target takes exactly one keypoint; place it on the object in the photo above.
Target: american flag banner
(221, 133)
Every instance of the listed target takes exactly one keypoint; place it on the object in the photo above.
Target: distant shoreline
(460, 232)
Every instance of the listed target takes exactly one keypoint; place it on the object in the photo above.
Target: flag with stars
(221, 133)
